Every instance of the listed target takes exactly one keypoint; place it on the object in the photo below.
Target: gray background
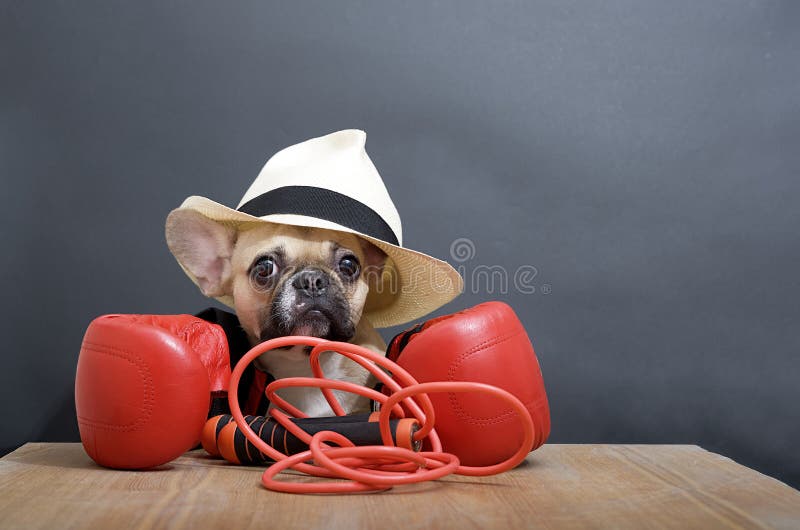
(643, 156)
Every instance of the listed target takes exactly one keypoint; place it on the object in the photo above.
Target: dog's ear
(374, 259)
(204, 247)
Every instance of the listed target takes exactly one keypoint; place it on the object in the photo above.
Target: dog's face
(284, 280)
(301, 281)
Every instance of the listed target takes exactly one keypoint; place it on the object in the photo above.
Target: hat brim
(412, 285)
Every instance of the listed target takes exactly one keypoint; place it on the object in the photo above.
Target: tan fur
(222, 258)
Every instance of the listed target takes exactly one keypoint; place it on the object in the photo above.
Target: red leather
(485, 344)
(143, 384)
(207, 340)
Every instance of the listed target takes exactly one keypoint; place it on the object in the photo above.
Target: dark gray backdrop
(643, 156)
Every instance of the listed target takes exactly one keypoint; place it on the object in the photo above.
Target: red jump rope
(374, 467)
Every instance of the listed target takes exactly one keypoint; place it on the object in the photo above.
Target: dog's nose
(312, 282)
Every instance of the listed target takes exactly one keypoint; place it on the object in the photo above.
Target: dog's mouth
(312, 322)
(321, 317)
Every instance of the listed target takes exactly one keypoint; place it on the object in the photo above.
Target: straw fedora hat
(330, 182)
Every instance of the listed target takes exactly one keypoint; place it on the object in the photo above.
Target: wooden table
(47, 485)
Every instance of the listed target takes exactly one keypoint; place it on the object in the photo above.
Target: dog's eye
(348, 266)
(263, 271)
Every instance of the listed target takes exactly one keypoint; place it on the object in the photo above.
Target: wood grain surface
(47, 485)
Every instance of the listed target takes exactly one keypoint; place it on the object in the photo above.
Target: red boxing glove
(484, 344)
(143, 386)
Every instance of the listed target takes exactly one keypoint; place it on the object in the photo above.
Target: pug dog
(288, 280)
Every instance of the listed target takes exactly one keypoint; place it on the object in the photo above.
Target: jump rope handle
(221, 436)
